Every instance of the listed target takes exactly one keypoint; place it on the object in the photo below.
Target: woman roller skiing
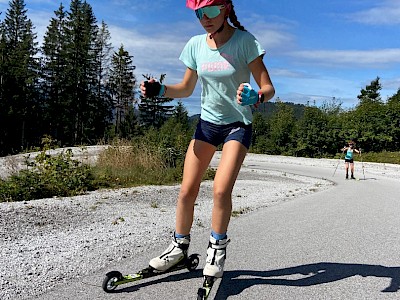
(223, 59)
(348, 158)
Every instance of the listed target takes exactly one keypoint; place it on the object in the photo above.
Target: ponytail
(233, 18)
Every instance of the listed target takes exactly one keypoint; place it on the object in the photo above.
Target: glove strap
(163, 89)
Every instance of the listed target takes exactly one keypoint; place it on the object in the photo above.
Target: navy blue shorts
(220, 134)
(349, 160)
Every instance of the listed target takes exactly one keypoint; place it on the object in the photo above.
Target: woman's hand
(143, 87)
(239, 94)
(248, 96)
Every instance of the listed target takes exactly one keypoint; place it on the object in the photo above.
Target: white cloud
(391, 83)
(271, 38)
(288, 73)
(271, 35)
(351, 58)
(385, 13)
(153, 54)
(317, 100)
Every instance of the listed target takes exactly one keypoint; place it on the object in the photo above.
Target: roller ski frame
(114, 279)
(205, 290)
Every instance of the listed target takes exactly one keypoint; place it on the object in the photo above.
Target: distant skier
(348, 158)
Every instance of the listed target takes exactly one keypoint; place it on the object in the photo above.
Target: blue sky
(316, 50)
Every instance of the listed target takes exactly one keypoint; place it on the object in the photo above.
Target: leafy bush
(48, 176)
(156, 158)
(381, 157)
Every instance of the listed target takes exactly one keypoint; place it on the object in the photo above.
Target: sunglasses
(210, 11)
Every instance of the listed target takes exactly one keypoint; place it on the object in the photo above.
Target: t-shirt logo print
(224, 64)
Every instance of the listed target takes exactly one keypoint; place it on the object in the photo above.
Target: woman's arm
(180, 90)
(261, 76)
(185, 88)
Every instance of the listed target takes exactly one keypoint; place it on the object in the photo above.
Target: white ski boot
(216, 255)
(176, 252)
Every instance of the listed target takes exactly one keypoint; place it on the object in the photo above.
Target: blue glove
(249, 96)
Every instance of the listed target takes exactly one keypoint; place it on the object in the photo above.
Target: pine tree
(54, 76)
(122, 84)
(81, 32)
(153, 111)
(103, 59)
(19, 78)
(103, 53)
(371, 92)
(369, 119)
(180, 114)
(3, 104)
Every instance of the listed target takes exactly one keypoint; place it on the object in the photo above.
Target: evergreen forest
(78, 90)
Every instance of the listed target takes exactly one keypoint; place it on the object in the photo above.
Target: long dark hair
(233, 18)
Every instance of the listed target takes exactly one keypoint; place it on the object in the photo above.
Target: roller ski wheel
(204, 291)
(109, 282)
(192, 262)
(114, 279)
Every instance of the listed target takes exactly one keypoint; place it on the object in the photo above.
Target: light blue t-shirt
(349, 154)
(220, 72)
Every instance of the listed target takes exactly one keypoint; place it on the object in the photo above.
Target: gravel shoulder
(44, 243)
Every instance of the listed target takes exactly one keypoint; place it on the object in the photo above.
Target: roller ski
(173, 259)
(214, 268)
(204, 291)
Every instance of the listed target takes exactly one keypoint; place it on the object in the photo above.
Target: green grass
(124, 164)
(127, 165)
(382, 157)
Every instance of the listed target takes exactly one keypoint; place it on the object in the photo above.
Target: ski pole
(362, 164)
(338, 162)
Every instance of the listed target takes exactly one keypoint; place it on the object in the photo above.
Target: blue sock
(181, 236)
(218, 236)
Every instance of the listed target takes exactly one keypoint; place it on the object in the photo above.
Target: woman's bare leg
(198, 157)
(352, 170)
(233, 154)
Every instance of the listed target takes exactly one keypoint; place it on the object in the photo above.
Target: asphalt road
(341, 243)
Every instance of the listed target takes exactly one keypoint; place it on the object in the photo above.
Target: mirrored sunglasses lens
(199, 13)
(212, 11)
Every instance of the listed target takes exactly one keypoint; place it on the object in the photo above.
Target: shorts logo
(234, 130)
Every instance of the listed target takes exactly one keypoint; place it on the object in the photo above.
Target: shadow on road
(235, 282)
(303, 276)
